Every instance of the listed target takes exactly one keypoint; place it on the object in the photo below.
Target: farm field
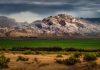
(66, 43)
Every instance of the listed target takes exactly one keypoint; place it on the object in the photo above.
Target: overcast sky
(30, 10)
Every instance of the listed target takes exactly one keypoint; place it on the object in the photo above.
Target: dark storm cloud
(14, 8)
(68, 1)
(29, 1)
(50, 6)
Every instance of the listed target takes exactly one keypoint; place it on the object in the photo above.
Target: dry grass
(44, 62)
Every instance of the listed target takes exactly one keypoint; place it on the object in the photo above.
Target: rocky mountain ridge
(59, 26)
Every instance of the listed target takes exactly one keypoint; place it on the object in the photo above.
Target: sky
(31, 10)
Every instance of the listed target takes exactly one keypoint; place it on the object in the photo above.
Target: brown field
(44, 62)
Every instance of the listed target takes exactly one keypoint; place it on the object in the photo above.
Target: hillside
(59, 26)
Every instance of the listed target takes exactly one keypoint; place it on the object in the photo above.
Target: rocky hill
(59, 26)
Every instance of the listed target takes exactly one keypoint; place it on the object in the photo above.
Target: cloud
(28, 9)
(43, 9)
(25, 16)
(32, 1)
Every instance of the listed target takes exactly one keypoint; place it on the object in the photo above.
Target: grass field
(68, 43)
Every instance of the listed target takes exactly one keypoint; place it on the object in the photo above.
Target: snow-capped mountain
(59, 26)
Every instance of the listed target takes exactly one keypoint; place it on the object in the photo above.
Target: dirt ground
(44, 62)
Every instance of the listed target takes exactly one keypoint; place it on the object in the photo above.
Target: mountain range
(58, 26)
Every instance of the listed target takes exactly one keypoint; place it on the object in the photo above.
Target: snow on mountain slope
(61, 25)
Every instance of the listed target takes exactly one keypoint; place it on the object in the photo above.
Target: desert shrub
(20, 58)
(59, 61)
(59, 55)
(36, 60)
(98, 54)
(66, 53)
(77, 54)
(89, 57)
(71, 61)
(4, 61)
(37, 52)
(27, 52)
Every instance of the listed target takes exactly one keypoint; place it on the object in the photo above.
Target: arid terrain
(47, 62)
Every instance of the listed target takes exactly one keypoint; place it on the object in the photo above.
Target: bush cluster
(97, 54)
(59, 61)
(4, 61)
(46, 48)
(20, 58)
(74, 58)
(59, 55)
(27, 52)
(70, 61)
(77, 54)
(89, 57)
(55, 48)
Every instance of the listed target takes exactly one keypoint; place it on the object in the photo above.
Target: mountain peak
(61, 25)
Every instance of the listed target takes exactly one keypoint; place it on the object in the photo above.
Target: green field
(68, 43)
